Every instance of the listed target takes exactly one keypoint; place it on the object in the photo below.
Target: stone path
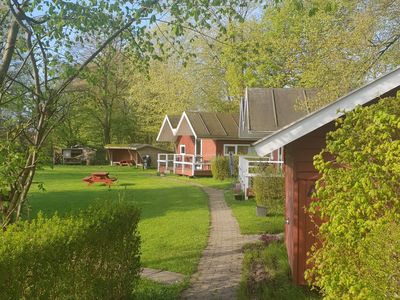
(220, 267)
(165, 277)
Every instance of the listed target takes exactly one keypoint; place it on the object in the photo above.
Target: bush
(220, 167)
(94, 255)
(357, 194)
(266, 274)
(269, 187)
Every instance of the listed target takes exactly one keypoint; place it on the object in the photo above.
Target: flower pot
(261, 211)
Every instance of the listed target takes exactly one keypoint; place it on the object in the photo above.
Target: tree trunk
(8, 50)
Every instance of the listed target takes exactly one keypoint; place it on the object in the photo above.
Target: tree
(44, 42)
(359, 200)
(107, 81)
(333, 45)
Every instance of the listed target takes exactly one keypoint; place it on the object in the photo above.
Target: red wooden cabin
(301, 141)
(199, 137)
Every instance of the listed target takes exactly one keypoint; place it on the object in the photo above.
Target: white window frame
(236, 148)
(182, 147)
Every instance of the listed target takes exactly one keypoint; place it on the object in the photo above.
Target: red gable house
(302, 140)
(198, 137)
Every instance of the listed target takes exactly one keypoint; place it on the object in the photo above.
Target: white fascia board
(327, 114)
(185, 117)
(166, 121)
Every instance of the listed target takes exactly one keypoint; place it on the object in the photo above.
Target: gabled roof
(135, 147)
(386, 85)
(168, 128)
(209, 125)
(266, 110)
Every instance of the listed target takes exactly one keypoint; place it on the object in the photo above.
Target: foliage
(359, 197)
(269, 186)
(266, 274)
(44, 54)
(251, 224)
(220, 167)
(333, 46)
(93, 255)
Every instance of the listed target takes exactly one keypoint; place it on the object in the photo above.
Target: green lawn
(244, 211)
(174, 215)
(249, 223)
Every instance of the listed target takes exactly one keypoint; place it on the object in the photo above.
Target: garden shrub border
(93, 255)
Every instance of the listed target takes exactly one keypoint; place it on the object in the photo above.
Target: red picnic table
(99, 177)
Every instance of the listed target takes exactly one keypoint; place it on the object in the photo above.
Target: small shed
(302, 140)
(77, 155)
(132, 154)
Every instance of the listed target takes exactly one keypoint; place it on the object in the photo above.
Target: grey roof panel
(214, 125)
(174, 120)
(270, 109)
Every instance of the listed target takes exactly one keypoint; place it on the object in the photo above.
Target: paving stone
(219, 270)
(161, 276)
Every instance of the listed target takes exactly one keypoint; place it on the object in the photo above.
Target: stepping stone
(161, 276)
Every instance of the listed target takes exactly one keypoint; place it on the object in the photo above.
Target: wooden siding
(300, 177)
(186, 140)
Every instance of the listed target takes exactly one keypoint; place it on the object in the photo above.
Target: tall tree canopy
(42, 54)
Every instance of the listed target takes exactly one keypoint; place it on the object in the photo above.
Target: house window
(198, 147)
(242, 149)
(236, 149)
(182, 149)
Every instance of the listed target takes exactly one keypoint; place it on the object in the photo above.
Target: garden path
(219, 270)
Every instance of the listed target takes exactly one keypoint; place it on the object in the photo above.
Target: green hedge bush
(269, 187)
(220, 167)
(94, 255)
(359, 201)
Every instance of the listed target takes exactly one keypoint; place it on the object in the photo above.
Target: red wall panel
(186, 140)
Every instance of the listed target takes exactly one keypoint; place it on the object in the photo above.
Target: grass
(244, 211)
(249, 223)
(206, 181)
(266, 275)
(174, 215)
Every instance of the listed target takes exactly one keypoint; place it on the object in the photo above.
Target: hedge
(269, 186)
(94, 255)
(220, 167)
(358, 197)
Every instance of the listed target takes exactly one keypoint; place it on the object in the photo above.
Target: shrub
(357, 194)
(220, 167)
(269, 187)
(94, 255)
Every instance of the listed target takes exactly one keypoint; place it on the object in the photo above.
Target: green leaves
(357, 195)
(94, 255)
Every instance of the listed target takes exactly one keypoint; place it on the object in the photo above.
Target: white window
(236, 149)
(182, 149)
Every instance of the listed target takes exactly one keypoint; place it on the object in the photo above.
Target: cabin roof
(174, 120)
(213, 125)
(386, 85)
(266, 110)
(208, 125)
